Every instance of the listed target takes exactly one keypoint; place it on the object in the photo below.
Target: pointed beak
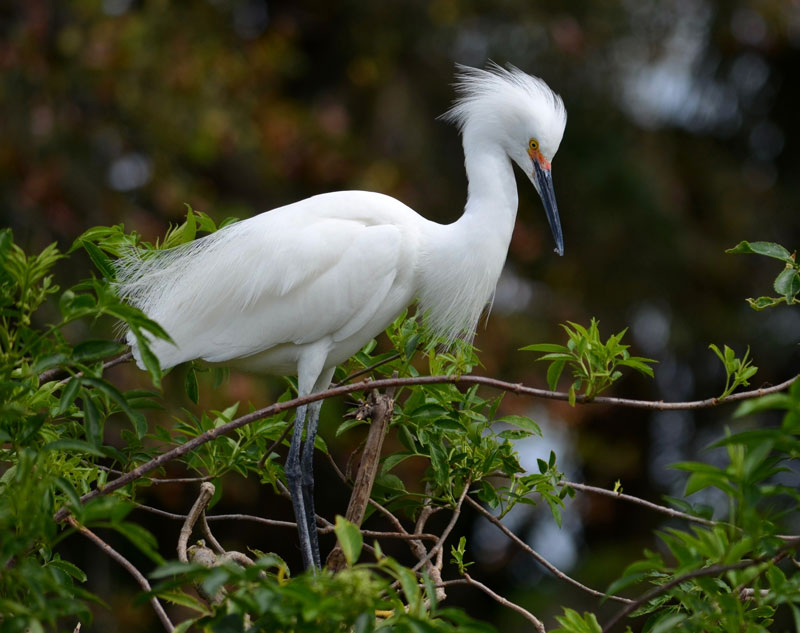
(544, 182)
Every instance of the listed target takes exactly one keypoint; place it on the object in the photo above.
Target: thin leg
(307, 465)
(307, 472)
(294, 477)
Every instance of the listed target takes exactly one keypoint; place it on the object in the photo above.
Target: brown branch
(130, 568)
(277, 407)
(470, 581)
(542, 561)
(631, 499)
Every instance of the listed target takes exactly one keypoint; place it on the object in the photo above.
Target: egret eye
(533, 144)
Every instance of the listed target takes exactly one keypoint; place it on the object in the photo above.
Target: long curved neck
(492, 191)
(463, 260)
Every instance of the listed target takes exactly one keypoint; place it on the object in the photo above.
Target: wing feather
(291, 275)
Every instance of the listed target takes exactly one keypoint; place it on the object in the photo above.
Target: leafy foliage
(786, 284)
(59, 411)
(594, 364)
(737, 370)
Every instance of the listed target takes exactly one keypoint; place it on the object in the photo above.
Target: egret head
(522, 114)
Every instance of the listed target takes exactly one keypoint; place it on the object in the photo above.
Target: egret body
(300, 289)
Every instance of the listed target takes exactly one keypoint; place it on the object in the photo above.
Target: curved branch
(131, 569)
(647, 504)
(469, 580)
(542, 561)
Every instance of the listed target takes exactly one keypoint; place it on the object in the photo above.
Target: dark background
(682, 140)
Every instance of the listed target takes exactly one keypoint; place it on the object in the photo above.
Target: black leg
(307, 470)
(296, 480)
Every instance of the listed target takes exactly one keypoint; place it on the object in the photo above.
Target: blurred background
(683, 138)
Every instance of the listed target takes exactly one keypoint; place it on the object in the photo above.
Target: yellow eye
(533, 144)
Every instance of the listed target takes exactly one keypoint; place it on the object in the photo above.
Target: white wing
(323, 267)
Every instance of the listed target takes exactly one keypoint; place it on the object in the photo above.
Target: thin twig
(209, 535)
(544, 562)
(647, 504)
(277, 407)
(788, 538)
(470, 581)
(131, 569)
(446, 532)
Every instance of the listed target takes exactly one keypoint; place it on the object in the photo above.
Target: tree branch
(544, 562)
(470, 581)
(631, 499)
(131, 569)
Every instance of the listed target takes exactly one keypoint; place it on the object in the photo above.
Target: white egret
(299, 289)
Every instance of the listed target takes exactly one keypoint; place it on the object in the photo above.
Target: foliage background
(682, 140)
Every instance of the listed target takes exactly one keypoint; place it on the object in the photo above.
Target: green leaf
(99, 259)
(91, 422)
(787, 284)
(523, 423)
(350, 539)
(114, 394)
(48, 362)
(545, 347)
(140, 537)
(91, 351)
(765, 302)
(190, 384)
(554, 373)
(768, 249)
(68, 395)
(73, 445)
(68, 568)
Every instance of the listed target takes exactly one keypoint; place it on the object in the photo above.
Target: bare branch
(647, 504)
(470, 581)
(544, 562)
(131, 569)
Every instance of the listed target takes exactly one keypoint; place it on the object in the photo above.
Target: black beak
(544, 178)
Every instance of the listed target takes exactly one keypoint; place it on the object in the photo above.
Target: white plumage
(299, 289)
